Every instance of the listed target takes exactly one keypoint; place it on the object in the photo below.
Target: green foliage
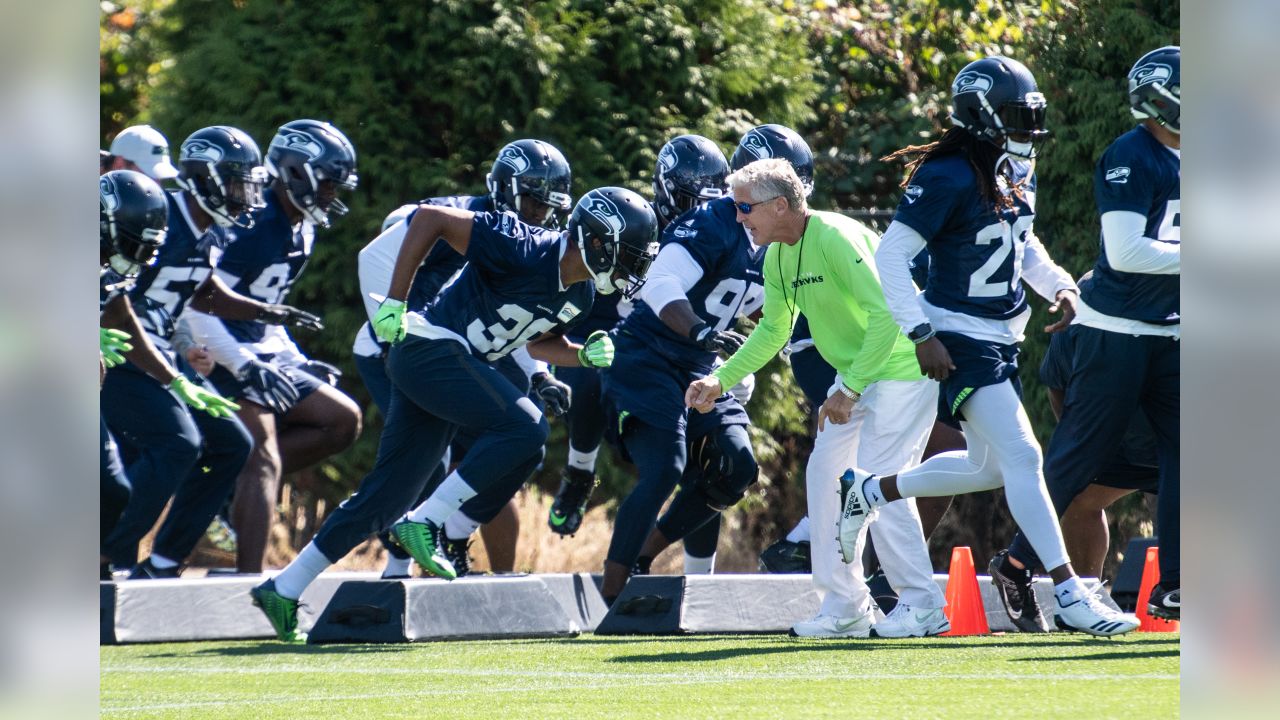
(129, 62)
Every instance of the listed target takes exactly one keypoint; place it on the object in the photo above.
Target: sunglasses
(745, 208)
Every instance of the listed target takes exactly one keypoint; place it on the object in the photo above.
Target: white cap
(145, 147)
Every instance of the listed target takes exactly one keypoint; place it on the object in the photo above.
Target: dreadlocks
(982, 157)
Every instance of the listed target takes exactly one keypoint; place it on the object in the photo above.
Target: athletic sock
(643, 563)
(444, 502)
(300, 573)
(1070, 590)
(397, 567)
(699, 566)
(161, 562)
(583, 460)
(799, 533)
(871, 490)
(459, 526)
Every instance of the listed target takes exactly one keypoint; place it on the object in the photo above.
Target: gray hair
(768, 179)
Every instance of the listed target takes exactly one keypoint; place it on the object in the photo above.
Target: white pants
(886, 433)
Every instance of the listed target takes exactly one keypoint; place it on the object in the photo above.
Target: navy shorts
(814, 376)
(230, 386)
(979, 363)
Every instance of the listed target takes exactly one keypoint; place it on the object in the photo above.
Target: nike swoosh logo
(858, 260)
(558, 520)
(845, 626)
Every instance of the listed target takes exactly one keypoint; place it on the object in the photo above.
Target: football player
(133, 219)
(221, 177)
(970, 199)
(1128, 327)
(533, 179)
(295, 415)
(521, 285)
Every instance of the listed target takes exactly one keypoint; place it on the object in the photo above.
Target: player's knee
(727, 470)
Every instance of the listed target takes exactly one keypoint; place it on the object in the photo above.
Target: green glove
(390, 324)
(200, 399)
(597, 351)
(113, 344)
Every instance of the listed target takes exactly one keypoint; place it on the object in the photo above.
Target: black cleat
(1165, 604)
(456, 552)
(785, 556)
(146, 571)
(1017, 594)
(571, 500)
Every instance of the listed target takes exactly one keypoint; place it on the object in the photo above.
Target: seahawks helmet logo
(756, 144)
(513, 156)
(201, 150)
(971, 82)
(298, 142)
(110, 198)
(1155, 72)
(602, 209)
(666, 160)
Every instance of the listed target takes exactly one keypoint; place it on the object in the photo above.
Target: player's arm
(1050, 281)
(430, 223)
(595, 352)
(666, 288)
(215, 297)
(118, 314)
(1129, 250)
(898, 247)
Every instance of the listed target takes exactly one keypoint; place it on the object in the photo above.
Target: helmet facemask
(229, 200)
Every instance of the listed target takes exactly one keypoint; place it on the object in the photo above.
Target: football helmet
(221, 167)
(776, 141)
(530, 169)
(133, 218)
(616, 231)
(314, 160)
(691, 169)
(1155, 87)
(996, 99)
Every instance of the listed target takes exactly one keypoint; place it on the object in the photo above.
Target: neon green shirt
(829, 275)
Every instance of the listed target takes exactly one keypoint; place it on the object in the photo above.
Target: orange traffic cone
(964, 599)
(1150, 578)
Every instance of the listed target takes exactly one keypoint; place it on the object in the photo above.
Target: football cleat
(1165, 604)
(830, 626)
(1088, 615)
(571, 500)
(456, 552)
(1017, 594)
(905, 621)
(785, 556)
(423, 542)
(855, 511)
(145, 570)
(281, 612)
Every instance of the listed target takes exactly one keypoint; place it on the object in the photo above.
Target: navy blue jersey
(975, 251)
(603, 316)
(443, 261)
(509, 291)
(263, 262)
(732, 282)
(111, 284)
(1138, 174)
(185, 260)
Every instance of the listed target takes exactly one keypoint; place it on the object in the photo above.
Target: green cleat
(281, 612)
(424, 542)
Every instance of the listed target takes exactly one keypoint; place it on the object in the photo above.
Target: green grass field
(616, 677)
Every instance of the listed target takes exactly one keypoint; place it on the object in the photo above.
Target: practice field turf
(617, 677)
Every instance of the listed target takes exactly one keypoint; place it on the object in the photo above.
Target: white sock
(300, 573)
(699, 566)
(161, 562)
(583, 460)
(799, 533)
(396, 567)
(1070, 590)
(871, 490)
(444, 502)
(459, 526)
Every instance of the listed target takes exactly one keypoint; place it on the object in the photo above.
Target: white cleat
(855, 511)
(1089, 615)
(906, 621)
(830, 626)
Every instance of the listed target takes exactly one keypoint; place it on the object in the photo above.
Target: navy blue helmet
(691, 170)
(1155, 87)
(776, 141)
(221, 167)
(616, 231)
(530, 169)
(134, 215)
(314, 160)
(996, 99)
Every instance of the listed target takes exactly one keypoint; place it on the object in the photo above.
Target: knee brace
(723, 477)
